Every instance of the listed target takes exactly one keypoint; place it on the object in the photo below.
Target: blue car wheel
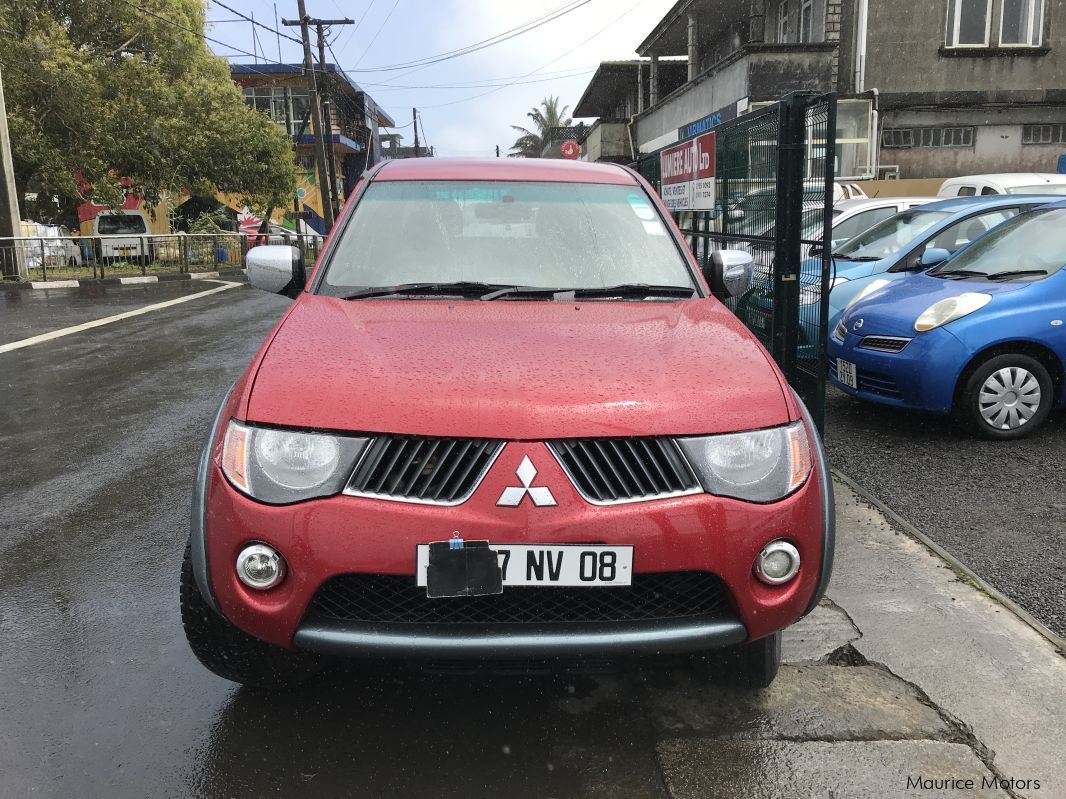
(1008, 396)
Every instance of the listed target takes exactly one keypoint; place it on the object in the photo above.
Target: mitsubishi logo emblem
(512, 495)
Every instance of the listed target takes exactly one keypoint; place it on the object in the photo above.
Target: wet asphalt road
(100, 696)
(996, 506)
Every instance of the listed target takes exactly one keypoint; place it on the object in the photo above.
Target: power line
(195, 32)
(499, 38)
(359, 22)
(375, 38)
(381, 87)
(424, 137)
(257, 24)
(533, 72)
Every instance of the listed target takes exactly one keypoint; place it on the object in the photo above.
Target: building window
(901, 138)
(1044, 134)
(782, 21)
(806, 26)
(1022, 24)
(271, 101)
(968, 23)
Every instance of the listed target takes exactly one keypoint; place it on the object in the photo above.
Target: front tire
(230, 652)
(752, 666)
(1008, 396)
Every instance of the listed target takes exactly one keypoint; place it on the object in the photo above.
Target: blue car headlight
(940, 313)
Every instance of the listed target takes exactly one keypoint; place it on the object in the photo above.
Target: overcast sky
(457, 121)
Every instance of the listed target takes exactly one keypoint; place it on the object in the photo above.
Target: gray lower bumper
(509, 642)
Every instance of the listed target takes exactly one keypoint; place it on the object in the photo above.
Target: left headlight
(280, 466)
(757, 466)
(940, 313)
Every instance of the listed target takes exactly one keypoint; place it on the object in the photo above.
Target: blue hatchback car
(982, 335)
(915, 240)
(910, 241)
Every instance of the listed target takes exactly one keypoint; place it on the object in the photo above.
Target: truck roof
(526, 169)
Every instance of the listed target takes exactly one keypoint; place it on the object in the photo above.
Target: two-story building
(353, 140)
(933, 89)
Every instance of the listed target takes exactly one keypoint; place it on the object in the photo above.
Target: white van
(1006, 183)
(123, 236)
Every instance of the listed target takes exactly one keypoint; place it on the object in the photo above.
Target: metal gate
(774, 170)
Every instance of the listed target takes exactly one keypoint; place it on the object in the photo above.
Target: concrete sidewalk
(906, 682)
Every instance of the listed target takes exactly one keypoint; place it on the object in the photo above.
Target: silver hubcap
(1009, 398)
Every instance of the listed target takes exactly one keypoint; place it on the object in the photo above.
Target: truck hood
(516, 370)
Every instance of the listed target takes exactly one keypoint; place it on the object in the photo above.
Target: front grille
(880, 384)
(609, 470)
(395, 599)
(444, 471)
(840, 331)
(884, 343)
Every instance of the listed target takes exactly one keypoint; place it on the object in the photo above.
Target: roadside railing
(72, 257)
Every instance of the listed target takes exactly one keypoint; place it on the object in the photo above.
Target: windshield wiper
(859, 258)
(635, 290)
(953, 273)
(621, 290)
(1016, 273)
(461, 288)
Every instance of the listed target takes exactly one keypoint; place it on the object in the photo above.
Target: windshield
(112, 224)
(1041, 188)
(565, 235)
(1033, 243)
(890, 236)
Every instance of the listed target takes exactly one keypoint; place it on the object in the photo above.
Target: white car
(852, 217)
(123, 236)
(1005, 183)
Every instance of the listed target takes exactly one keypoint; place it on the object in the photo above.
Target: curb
(171, 277)
(897, 521)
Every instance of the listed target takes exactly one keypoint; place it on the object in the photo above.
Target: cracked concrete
(980, 665)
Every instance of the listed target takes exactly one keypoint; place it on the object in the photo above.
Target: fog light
(260, 567)
(777, 563)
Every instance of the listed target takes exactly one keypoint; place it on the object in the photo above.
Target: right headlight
(757, 466)
(940, 313)
(279, 466)
(867, 290)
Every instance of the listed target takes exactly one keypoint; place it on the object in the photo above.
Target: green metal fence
(773, 200)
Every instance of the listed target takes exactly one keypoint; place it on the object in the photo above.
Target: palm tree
(546, 116)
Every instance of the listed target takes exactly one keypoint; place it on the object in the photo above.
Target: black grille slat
(884, 343)
(660, 474)
(395, 599)
(422, 469)
(619, 470)
(577, 468)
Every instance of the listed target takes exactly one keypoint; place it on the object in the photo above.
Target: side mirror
(276, 268)
(933, 256)
(729, 273)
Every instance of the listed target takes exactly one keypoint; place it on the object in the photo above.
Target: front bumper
(508, 642)
(922, 376)
(344, 535)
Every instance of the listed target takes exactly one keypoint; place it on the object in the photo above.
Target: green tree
(546, 116)
(99, 90)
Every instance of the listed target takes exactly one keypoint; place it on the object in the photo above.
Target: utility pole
(327, 108)
(414, 121)
(10, 226)
(324, 183)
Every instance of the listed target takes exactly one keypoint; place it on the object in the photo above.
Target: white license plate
(846, 373)
(571, 565)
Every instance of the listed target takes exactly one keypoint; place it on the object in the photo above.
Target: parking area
(102, 698)
(995, 505)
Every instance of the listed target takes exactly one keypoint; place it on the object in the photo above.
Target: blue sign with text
(704, 124)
